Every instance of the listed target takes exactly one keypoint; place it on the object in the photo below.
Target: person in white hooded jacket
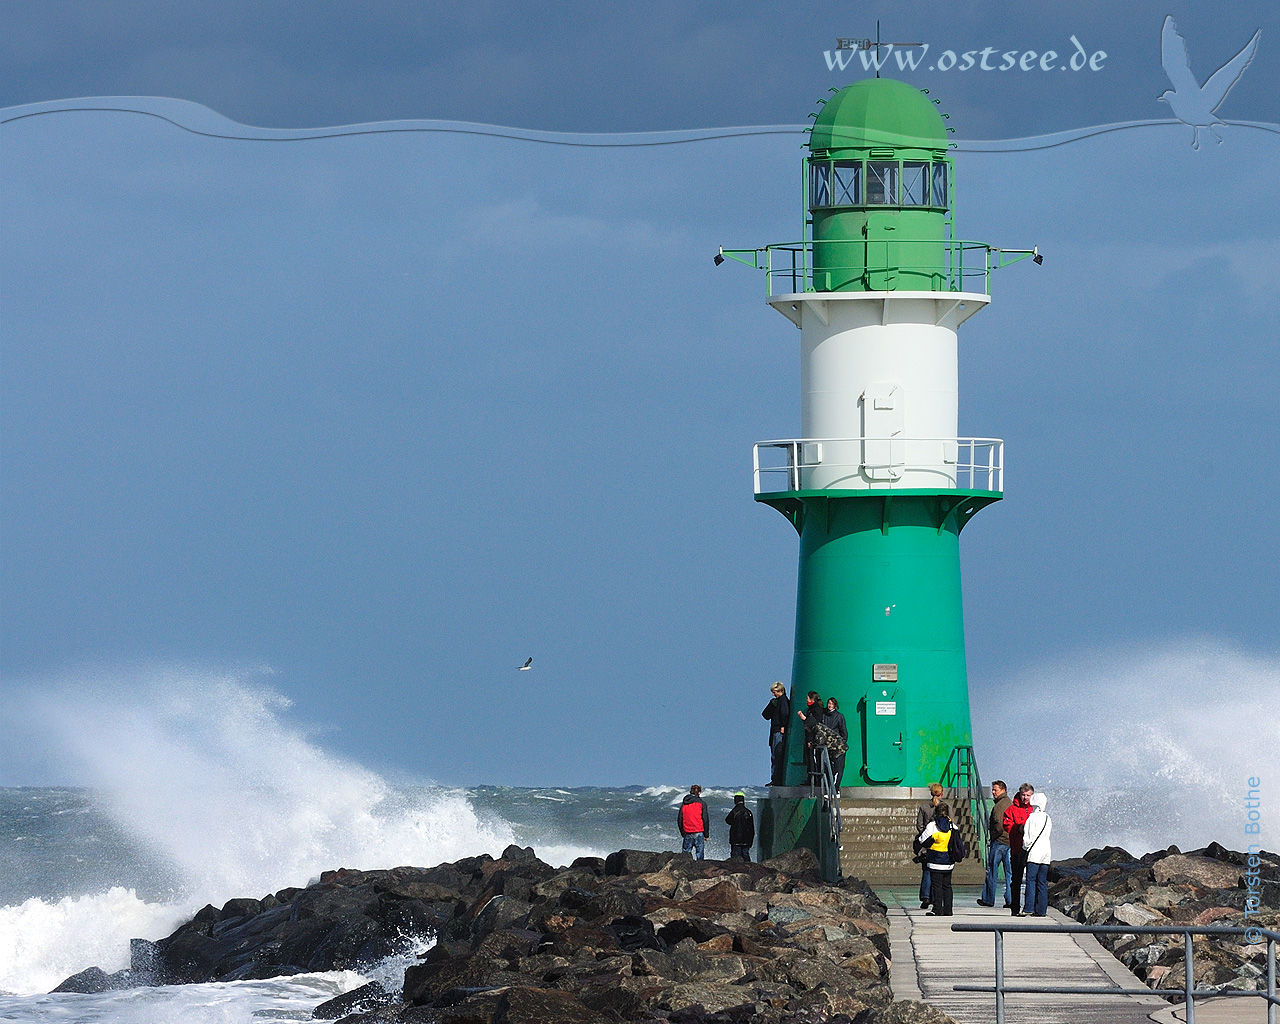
(1035, 839)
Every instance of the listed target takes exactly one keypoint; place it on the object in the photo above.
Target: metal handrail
(1188, 992)
(795, 264)
(971, 472)
(830, 794)
(966, 777)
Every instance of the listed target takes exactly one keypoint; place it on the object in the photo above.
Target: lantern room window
(882, 182)
(847, 183)
(819, 185)
(939, 184)
(915, 184)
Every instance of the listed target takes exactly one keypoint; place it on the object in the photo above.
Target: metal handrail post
(999, 977)
(1271, 981)
(794, 454)
(1189, 977)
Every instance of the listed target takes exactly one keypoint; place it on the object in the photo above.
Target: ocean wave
(42, 943)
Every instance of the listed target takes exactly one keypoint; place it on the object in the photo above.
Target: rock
(358, 1000)
(636, 936)
(1203, 871)
(1094, 906)
(635, 862)
(95, 980)
(908, 1011)
(523, 1005)
(798, 861)
(1136, 915)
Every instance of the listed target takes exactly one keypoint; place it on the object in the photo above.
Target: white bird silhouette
(527, 665)
(1192, 103)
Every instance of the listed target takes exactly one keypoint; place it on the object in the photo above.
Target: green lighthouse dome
(878, 112)
(879, 190)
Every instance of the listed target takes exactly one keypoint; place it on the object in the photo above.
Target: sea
(180, 807)
(78, 880)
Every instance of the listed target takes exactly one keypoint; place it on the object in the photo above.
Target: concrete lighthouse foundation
(879, 486)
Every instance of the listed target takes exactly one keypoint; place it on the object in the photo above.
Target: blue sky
(372, 419)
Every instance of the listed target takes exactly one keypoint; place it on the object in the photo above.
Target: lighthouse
(879, 486)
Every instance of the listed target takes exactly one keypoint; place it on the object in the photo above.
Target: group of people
(1019, 843)
(694, 822)
(824, 729)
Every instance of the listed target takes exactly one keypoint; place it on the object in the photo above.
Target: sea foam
(204, 772)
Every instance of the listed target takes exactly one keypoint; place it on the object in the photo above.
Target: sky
(368, 420)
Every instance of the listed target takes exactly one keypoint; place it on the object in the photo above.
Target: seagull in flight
(1191, 102)
(527, 665)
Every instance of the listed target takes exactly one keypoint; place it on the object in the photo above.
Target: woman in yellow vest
(935, 841)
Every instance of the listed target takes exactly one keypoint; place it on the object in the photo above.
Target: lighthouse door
(882, 738)
(883, 420)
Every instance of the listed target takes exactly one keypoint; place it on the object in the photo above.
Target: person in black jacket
(778, 712)
(834, 721)
(742, 829)
(812, 716)
(694, 823)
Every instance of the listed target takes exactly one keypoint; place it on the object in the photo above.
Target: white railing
(881, 463)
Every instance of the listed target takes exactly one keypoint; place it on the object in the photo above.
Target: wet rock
(358, 1000)
(95, 980)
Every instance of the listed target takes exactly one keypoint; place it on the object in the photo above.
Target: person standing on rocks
(812, 716)
(924, 815)
(997, 848)
(694, 823)
(742, 829)
(1015, 817)
(778, 712)
(1035, 834)
(935, 843)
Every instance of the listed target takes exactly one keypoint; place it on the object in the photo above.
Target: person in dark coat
(778, 712)
(742, 829)
(998, 849)
(834, 721)
(694, 823)
(812, 716)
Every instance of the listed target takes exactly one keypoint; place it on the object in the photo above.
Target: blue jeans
(777, 745)
(926, 883)
(1037, 901)
(697, 843)
(997, 854)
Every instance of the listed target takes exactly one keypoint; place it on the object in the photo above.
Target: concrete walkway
(929, 959)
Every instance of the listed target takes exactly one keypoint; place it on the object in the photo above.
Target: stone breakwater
(637, 936)
(1210, 887)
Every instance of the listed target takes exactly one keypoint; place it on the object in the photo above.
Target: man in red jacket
(1014, 818)
(695, 823)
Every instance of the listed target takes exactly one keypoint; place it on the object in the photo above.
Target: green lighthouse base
(871, 836)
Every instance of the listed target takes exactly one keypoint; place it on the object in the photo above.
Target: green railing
(961, 773)
(878, 265)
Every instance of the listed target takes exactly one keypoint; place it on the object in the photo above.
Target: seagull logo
(1192, 103)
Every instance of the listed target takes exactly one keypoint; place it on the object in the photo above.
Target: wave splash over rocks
(204, 774)
(1136, 747)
